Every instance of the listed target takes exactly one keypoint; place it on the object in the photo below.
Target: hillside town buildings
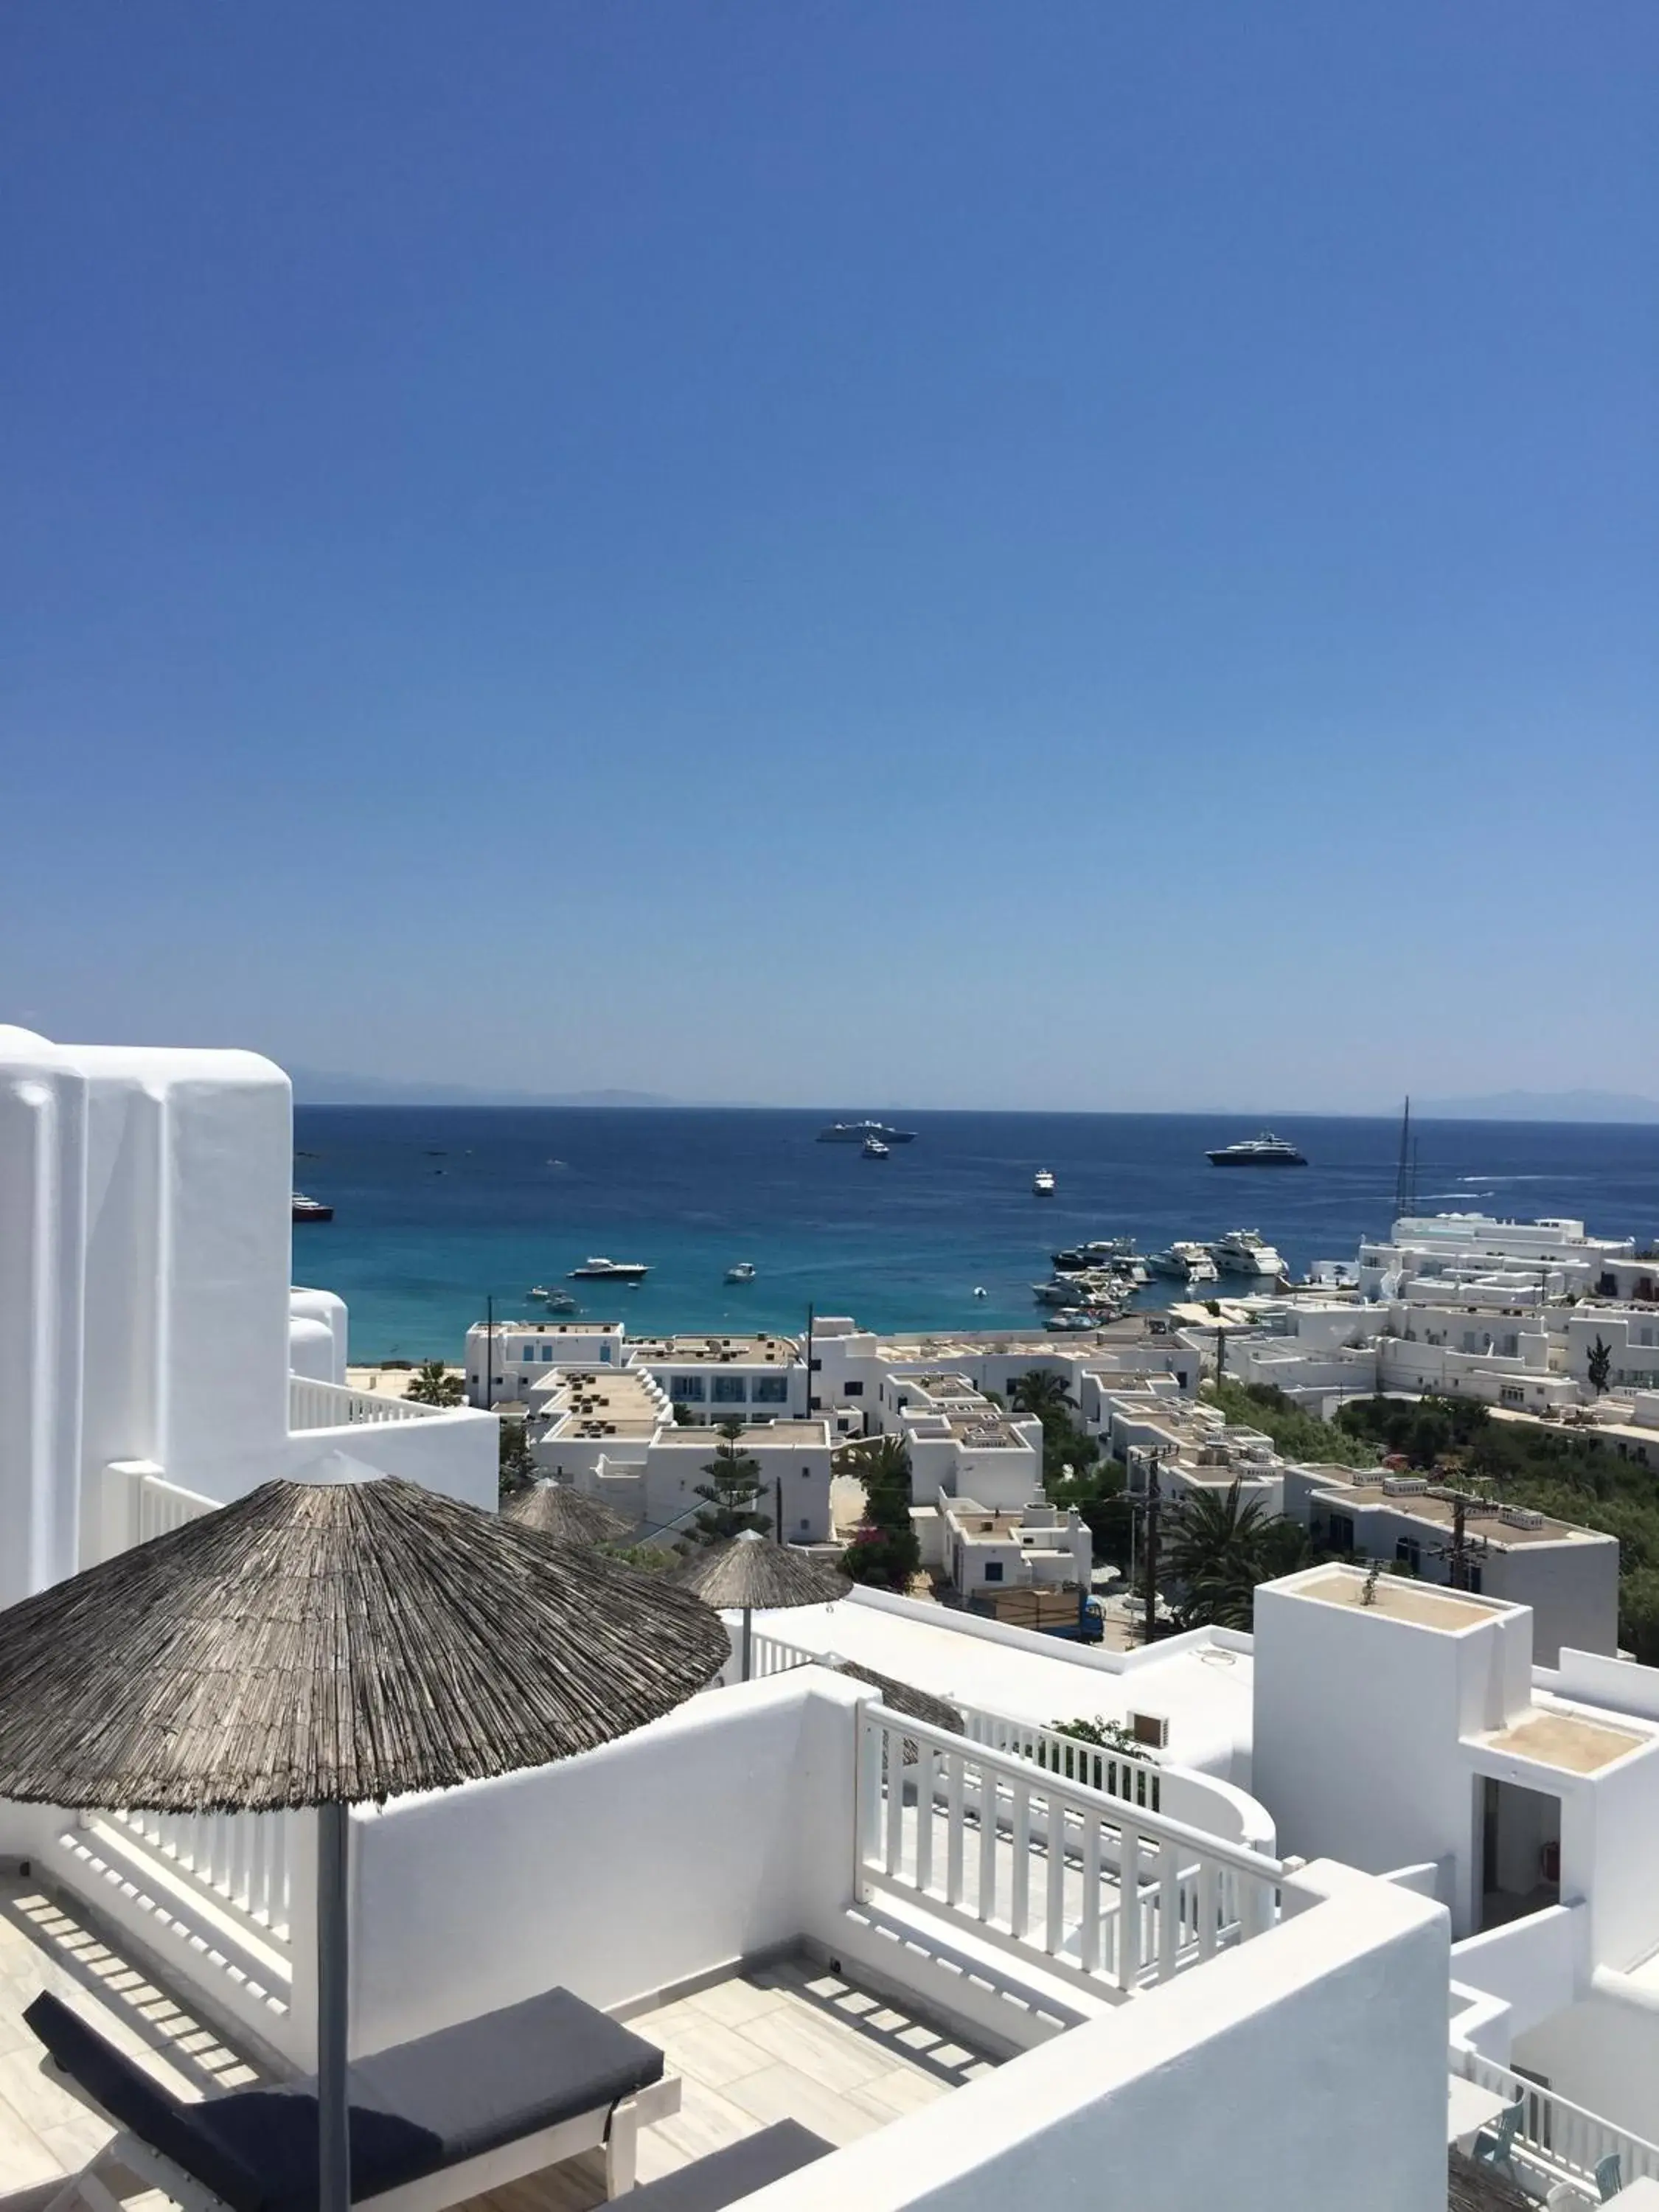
(1321, 1901)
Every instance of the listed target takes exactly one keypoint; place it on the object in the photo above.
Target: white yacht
(874, 1149)
(1243, 1252)
(611, 1270)
(1043, 1182)
(1186, 1262)
(743, 1272)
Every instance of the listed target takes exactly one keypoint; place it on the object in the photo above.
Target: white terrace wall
(720, 1832)
(145, 1237)
(1217, 2089)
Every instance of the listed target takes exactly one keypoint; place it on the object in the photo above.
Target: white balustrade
(1116, 1773)
(1557, 2141)
(314, 1405)
(1101, 1889)
(161, 1505)
(239, 1860)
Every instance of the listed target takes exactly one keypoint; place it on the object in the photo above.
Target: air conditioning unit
(1405, 1485)
(1151, 1729)
(1522, 1516)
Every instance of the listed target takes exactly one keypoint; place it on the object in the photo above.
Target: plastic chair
(1492, 2146)
(1610, 2176)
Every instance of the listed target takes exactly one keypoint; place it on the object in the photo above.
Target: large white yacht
(1244, 1252)
(611, 1270)
(1186, 1262)
(1043, 1182)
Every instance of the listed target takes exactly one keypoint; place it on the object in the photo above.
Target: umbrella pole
(333, 1971)
(748, 1638)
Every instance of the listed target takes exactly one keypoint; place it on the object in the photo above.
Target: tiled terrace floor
(791, 2041)
(45, 2133)
(786, 2041)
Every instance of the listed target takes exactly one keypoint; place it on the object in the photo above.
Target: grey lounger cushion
(414, 2109)
(725, 2176)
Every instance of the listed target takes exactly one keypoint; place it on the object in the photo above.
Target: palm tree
(432, 1384)
(1217, 1554)
(883, 1464)
(1040, 1393)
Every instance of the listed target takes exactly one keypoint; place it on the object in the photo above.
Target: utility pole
(489, 1352)
(809, 1318)
(1151, 1562)
(1465, 1552)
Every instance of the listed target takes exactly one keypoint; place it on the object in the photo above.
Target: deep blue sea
(439, 1208)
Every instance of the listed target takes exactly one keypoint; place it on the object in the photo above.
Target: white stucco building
(1393, 1849)
(151, 1348)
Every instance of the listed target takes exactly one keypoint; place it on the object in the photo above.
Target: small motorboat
(311, 1209)
(979, 1290)
(555, 1300)
(1043, 1182)
(743, 1272)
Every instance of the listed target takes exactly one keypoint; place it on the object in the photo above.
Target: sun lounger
(433, 2121)
(726, 2175)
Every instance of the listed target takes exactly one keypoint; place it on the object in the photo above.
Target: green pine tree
(731, 1492)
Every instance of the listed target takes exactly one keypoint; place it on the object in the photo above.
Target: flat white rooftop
(715, 1350)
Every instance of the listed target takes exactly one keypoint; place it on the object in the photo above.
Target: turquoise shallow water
(437, 1209)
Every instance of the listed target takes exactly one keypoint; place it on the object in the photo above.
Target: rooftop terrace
(787, 2040)
(1502, 1528)
(602, 1402)
(1559, 1738)
(758, 1350)
(1393, 1597)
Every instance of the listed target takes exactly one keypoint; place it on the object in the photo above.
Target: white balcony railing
(1557, 2141)
(1114, 1773)
(331, 1405)
(238, 1860)
(1103, 1893)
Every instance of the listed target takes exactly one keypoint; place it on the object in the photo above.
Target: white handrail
(1100, 1766)
(1102, 1891)
(314, 1405)
(1558, 2140)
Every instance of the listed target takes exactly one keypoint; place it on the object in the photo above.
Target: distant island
(316, 1086)
(1541, 1106)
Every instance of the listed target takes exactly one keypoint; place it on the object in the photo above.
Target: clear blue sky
(1092, 554)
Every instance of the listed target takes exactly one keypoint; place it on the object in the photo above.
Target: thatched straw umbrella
(553, 1510)
(327, 1643)
(900, 1697)
(751, 1572)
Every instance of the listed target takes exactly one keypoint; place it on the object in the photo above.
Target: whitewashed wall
(1359, 1716)
(718, 1832)
(1217, 2089)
